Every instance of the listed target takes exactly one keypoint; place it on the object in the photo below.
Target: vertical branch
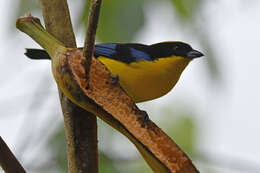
(7, 159)
(80, 125)
(91, 32)
(57, 21)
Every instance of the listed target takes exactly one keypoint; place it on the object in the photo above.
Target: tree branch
(91, 33)
(8, 161)
(80, 125)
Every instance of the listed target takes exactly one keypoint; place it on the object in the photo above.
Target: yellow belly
(147, 80)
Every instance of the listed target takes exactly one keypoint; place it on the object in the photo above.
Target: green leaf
(119, 20)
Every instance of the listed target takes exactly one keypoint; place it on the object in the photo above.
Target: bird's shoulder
(124, 52)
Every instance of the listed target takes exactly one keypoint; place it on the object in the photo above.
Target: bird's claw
(145, 118)
(114, 79)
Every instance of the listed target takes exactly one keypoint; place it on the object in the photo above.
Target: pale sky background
(229, 112)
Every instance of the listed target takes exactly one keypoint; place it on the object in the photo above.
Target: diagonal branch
(7, 159)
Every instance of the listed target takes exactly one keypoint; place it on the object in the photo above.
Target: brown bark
(8, 161)
(80, 125)
(91, 33)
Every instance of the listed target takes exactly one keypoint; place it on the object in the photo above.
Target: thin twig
(91, 32)
(8, 161)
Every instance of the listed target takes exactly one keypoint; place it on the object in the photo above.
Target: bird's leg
(114, 79)
(145, 118)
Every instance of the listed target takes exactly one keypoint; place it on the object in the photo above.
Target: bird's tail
(37, 54)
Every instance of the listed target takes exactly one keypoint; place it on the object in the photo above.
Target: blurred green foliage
(57, 146)
(186, 8)
(183, 131)
(116, 22)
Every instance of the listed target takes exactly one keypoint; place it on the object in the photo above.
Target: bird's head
(174, 48)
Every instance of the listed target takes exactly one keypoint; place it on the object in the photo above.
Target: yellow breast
(147, 80)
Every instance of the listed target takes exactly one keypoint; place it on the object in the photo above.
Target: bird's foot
(145, 118)
(114, 79)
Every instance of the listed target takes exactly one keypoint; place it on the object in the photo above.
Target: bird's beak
(194, 54)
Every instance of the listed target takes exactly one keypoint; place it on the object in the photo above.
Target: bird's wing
(126, 53)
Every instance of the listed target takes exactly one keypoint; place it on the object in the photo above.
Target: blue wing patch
(126, 53)
(139, 55)
(106, 50)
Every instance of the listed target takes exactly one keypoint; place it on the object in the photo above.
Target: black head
(166, 49)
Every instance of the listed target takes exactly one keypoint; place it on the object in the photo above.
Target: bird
(145, 72)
